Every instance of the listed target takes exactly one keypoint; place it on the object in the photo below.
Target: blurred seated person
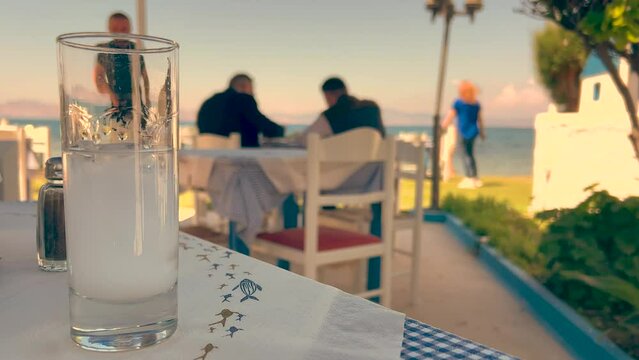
(235, 110)
(345, 112)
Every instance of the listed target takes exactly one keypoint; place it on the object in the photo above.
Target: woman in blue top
(469, 124)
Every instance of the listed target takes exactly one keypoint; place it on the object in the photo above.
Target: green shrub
(592, 258)
(513, 235)
(587, 256)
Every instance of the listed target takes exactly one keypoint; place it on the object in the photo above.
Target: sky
(386, 50)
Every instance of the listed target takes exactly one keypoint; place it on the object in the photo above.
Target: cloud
(29, 109)
(517, 102)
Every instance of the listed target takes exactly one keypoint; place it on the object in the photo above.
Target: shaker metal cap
(53, 168)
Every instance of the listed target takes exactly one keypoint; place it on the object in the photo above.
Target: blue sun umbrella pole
(446, 9)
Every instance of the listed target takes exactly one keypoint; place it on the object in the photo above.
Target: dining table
(246, 184)
(231, 306)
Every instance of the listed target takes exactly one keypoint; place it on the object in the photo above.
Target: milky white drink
(122, 247)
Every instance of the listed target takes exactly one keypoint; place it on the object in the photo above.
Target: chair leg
(197, 205)
(310, 270)
(415, 265)
(361, 276)
(387, 277)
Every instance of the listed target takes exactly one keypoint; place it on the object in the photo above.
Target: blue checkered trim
(426, 342)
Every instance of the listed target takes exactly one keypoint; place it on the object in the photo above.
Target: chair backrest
(211, 141)
(355, 148)
(410, 165)
(358, 147)
(13, 165)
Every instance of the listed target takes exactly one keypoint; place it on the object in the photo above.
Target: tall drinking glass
(119, 116)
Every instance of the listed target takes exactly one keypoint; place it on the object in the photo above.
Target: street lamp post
(446, 9)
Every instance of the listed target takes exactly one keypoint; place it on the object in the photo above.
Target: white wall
(610, 103)
(575, 150)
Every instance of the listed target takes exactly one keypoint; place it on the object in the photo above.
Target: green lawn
(515, 190)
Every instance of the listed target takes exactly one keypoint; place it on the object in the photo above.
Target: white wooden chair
(410, 165)
(40, 137)
(210, 141)
(13, 165)
(314, 245)
(187, 137)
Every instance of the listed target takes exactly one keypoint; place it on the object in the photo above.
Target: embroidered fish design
(225, 314)
(207, 349)
(232, 330)
(248, 288)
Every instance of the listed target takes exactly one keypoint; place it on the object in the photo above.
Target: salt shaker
(51, 243)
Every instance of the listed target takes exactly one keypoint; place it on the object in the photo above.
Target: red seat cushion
(329, 238)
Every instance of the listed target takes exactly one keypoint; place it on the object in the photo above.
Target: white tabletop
(294, 318)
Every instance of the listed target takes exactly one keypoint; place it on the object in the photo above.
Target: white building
(576, 150)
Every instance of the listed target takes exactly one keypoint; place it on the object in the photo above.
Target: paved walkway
(461, 296)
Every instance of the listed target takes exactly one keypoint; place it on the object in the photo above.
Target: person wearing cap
(345, 112)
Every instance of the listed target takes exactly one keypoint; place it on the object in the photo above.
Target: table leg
(235, 242)
(375, 263)
(290, 210)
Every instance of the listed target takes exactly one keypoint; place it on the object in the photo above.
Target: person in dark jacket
(345, 112)
(235, 110)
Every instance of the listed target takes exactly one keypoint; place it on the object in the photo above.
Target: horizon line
(497, 126)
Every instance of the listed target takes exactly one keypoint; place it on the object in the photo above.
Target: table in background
(245, 184)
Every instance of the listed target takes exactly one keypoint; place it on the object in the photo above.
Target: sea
(506, 151)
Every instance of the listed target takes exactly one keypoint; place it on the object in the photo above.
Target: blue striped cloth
(426, 342)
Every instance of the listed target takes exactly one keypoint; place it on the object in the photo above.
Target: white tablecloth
(284, 167)
(244, 184)
(291, 318)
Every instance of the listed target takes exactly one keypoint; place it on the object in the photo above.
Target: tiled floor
(457, 294)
